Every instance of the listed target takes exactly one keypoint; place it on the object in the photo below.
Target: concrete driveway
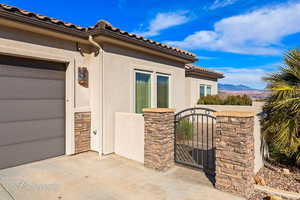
(87, 177)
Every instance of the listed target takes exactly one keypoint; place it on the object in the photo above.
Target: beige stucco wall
(193, 89)
(118, 88)
(256, 108)
(34, 42)
(111, 76)
(25, 43)
(130, 136)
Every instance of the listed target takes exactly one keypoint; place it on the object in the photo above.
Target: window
(142, 91)
(147, 91)
(162, 91)
(205, 90)
(202, 91)
(208, 90)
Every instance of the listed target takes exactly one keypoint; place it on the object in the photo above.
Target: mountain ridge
(233, 87)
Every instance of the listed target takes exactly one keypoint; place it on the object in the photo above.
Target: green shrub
(229, 100)
(184, 130)
(238, 100)
(279, 156)
(214, 100)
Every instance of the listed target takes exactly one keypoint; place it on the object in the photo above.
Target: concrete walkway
(87, 177)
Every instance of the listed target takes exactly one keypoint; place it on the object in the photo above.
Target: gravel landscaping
(257, 195)
(275, 177)
(279, 177)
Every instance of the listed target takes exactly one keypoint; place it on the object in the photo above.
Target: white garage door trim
(70, 82)
(69, 90)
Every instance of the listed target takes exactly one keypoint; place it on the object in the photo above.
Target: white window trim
(170, 93)
(152, 85)
(206, 86)
(205, 89)
(153, 77)
(200, 90)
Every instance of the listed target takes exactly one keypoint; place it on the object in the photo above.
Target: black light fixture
(83, 76)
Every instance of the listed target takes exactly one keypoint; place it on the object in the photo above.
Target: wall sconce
(83, 76)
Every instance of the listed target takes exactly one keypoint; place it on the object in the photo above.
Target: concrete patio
(87, 177)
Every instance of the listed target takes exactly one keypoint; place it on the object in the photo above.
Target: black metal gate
(194, 138)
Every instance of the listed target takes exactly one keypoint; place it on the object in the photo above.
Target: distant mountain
(231, 87)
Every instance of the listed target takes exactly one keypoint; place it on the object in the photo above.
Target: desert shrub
(211, 99)
(261, 100)
(238, 100)
(228, 100)
(184, 130)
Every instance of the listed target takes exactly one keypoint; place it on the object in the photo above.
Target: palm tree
(281, 124)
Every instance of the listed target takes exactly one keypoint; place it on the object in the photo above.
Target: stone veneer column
(82, 132)
(235, 152)
(159, 138)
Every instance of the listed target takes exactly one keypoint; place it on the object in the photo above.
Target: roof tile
(189, 68)
(100, 24)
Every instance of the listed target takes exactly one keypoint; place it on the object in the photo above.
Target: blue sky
(245, 39)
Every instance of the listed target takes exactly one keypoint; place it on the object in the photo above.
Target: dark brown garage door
(32, 110)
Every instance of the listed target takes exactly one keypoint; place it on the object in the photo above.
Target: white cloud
(257, 33)
(248, 77)
(164, 21)
(251, 77)
(221, 4)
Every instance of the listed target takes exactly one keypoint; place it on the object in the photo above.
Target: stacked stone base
(235, 154)
(159, 139)
(82, 132)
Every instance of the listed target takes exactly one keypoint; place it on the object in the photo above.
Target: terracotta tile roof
(197, 70)
(108, 26)
(24, 15)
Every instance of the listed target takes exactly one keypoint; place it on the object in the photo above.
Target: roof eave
(112, 34)
(205, 74)
(43, 24)
(85, 33)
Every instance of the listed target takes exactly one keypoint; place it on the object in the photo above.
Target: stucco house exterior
(200, 82)
(61, 84)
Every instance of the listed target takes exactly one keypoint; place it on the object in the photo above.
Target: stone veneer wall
(159, 138)
(235, 152)
(82, 132)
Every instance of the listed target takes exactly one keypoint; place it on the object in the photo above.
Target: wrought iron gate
(194, 138)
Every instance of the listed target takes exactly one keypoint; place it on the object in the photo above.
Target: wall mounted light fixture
(83, 76)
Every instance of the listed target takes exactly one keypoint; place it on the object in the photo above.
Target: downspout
(100, 53)
(94, 43)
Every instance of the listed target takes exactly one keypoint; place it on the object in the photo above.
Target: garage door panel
(27, 131)
(15, 71)
(25, 88)
(29, 110)
(32, 110)
(29, 152)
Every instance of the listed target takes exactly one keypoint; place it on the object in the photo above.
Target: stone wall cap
(230, 113)
(159, 110)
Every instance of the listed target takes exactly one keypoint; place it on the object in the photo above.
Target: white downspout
(100, 49)
(94, 43)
